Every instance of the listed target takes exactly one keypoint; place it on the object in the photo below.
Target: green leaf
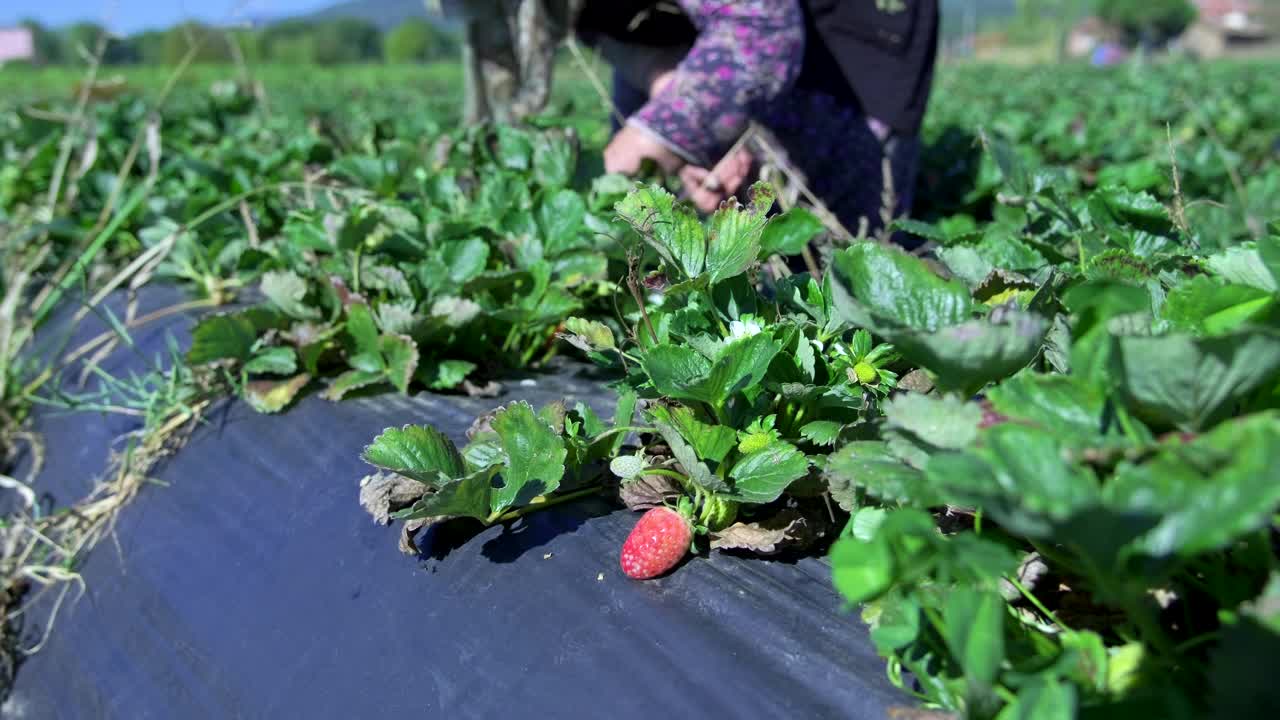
(272, 396)
(554, 161)
(222, 337)
(922, 230)
(897, 624)
(273, 361)
(589, 422)
(401, 355)
(469, 496)
(1118, 207)
(1004, 250)
(1269, 251)
(362, 329)
(742, 364)
(287, 291)
(894, 285)
(580, 266)
(455, 311)
(865, 522)
(463, 260)
(974, 629)
(674, 368)
(1207, 493)
(482, 454)
(1020, 478)
(672, 229)
(589, 335)
(711, 442)
(965, 263)
(1242, 681)
(1044, 698)
(385, 277)
(682, 373)
(823, 433)
(364, 170)
(789, 233)
(560, 218)
(870, 465)
(1124, 667)
(1012, 168)
(1203, 306)
(763, 475)
(352, 380)
(861, 570)
(523, 238)
(1067, 405)
(688, 459)
(967, 356)
(623, 412)
(535, 456)
(444, 374)
(1117, 264)
(1192, 382)
(733, 239)
(1093, 306)
(419, 452)
(396, 317)
(514, 148)
(944, 422)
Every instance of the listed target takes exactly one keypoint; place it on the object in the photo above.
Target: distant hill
(386, 14)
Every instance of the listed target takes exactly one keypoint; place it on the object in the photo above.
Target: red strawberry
(657, 542)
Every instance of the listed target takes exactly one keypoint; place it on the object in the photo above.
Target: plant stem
(511, 338)
(684, 481)
(81, 267)
(355, 271)
(1149, 629)
(1031, 598)
(549, 502)
(1197, 641)
(711, 303)
(625, 428)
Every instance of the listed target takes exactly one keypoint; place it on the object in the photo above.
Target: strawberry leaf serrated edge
(420, 452)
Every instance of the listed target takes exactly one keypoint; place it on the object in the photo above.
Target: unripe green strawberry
(656, 544)
(718, 512)
(866, 373)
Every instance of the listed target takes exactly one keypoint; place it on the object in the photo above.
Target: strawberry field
(1036, 455)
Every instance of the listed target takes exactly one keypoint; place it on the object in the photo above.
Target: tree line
(328, 42)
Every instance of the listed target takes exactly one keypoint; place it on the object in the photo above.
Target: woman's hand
(708, 188)
(632, 146)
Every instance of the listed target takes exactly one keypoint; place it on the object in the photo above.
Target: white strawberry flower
(744, 328)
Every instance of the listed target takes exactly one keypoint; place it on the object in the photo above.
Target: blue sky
(129, 16)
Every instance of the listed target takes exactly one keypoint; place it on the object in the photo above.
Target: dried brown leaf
(1030, 571)
(916, 381)
(410, 531)
(488, 390)
(383, 493)
(647, 491)
(787, 529)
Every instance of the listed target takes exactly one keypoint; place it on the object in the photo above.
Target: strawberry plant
(1098, 532)
(476, 274)
(1042, 446)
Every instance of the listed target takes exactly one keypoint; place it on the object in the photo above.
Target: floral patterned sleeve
(748, 53)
